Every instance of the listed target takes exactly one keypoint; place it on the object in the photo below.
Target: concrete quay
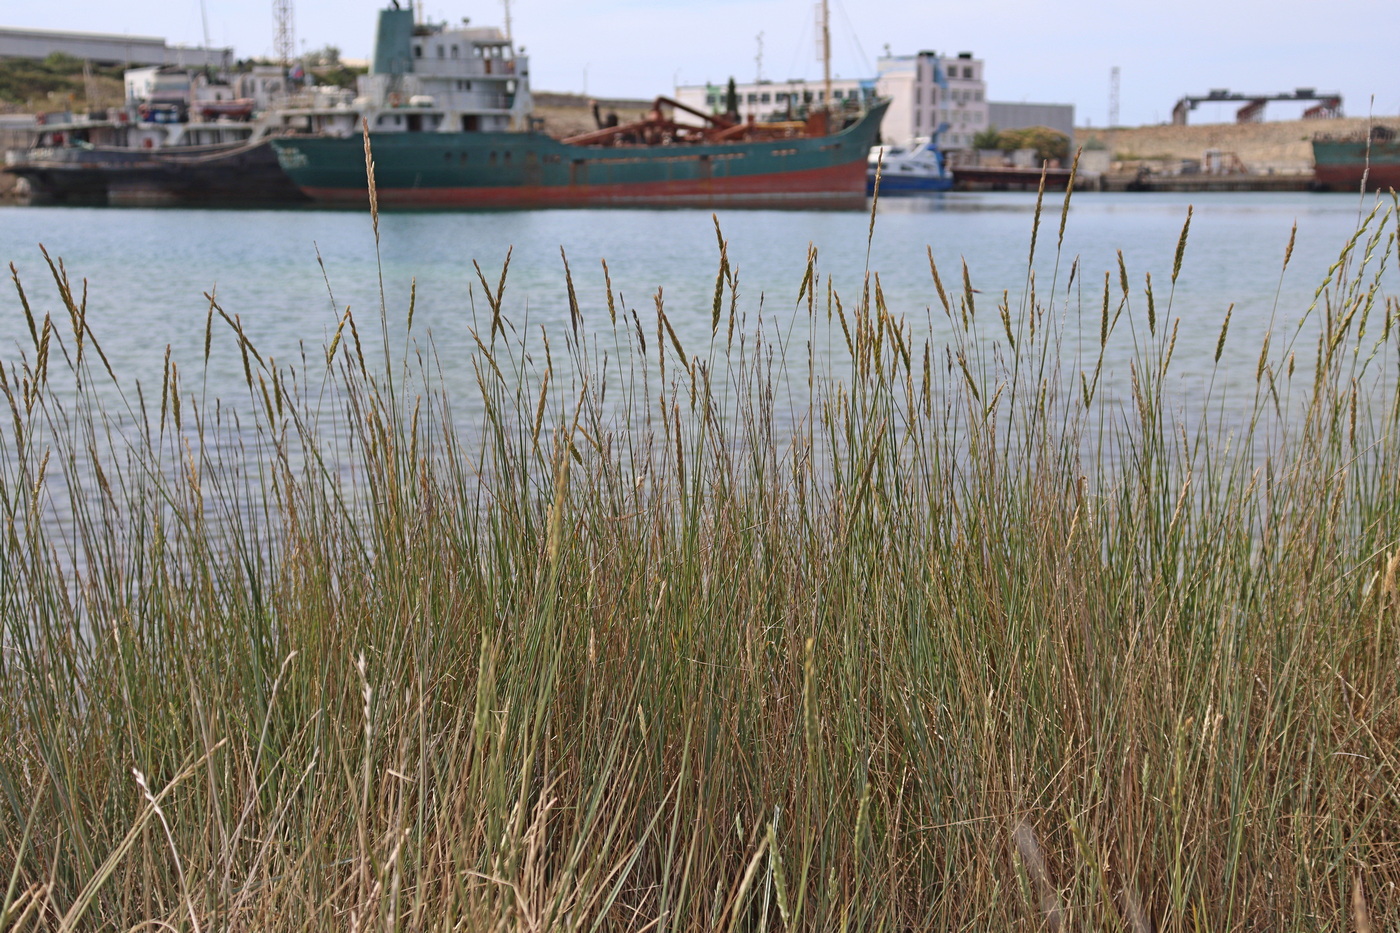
(1199, 181)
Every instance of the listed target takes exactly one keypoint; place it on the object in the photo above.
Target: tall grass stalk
(935, 635)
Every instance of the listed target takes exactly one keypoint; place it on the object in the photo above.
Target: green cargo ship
(1342, 164)
(447, 112)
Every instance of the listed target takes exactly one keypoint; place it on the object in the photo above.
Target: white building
(928, 93)
(771, 100)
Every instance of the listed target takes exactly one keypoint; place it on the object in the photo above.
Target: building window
(764, 97)
(753, 98)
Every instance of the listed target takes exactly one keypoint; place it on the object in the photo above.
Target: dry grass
(948, 640)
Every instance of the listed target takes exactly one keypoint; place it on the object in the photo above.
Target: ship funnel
(393, 42)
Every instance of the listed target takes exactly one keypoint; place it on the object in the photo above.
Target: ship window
(507, 156)
(462, 158)
(455, 51)
(442, 52)
(418, 51)
(492, 158)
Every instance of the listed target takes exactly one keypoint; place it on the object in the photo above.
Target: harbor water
(289, 275)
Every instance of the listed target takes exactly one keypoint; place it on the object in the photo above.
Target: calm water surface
(147, 271)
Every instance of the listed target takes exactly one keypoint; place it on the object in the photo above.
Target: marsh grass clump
(929, 634)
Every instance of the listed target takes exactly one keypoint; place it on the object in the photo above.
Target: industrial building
(108, 49)
(1009, 116)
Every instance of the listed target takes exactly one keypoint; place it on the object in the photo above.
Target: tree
(1048, 144)
(990, 138)
(327, 56)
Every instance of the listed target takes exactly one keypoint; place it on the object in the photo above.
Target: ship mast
(826, 54)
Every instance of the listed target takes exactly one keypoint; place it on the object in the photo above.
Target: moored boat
(916, 168)
(183, 140)
(455, 130)
(235, 172)
(1343, 164)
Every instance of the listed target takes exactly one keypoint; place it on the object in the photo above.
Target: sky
(1060, 52)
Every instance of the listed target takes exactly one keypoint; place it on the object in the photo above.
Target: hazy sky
(1060, 52)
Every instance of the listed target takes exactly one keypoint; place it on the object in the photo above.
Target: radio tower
(285, 48)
